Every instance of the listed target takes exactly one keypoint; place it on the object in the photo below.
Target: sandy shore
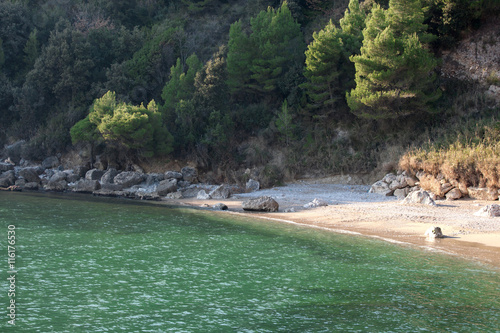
(352, 209)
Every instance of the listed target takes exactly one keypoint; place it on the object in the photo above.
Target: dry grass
(469, 162)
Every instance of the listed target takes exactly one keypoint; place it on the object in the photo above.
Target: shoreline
(466, 236)
(352, 210)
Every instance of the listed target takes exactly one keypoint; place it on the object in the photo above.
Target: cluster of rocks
(51, 176)
(399, 185)
(438, 187)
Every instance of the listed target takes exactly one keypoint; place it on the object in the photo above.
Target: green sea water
(84, 264)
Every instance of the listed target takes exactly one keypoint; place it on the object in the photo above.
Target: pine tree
(240, 54)
(279, 40)
(352, 25)
(259, 62)
(394, 72)
(31, 49)
(328, 69)
(322, 66)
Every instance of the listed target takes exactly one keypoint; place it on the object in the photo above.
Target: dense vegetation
(230, 84)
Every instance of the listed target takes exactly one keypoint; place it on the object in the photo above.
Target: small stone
(434, 232)
(316, 203)
(220, 206)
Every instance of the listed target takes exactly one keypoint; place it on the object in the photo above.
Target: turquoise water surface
(84, 264)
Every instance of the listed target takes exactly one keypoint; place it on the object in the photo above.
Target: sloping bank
(341, 208)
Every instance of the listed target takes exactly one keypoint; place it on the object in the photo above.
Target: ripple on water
(100, 266)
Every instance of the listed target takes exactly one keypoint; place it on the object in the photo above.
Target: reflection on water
(87, 265)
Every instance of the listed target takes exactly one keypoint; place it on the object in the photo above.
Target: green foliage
(328, 68)
(449, 18)
(133, 128)
(180, 87)
(84, 131)
(394, 72)
(284, 124)
(2, 54)
(323, 59)
(241, 52)
(272, 49)
(31, 49)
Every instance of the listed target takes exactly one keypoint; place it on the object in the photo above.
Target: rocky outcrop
(86, 186)
(220, 192)
(94, 174)
(419, 197)
(29, 174)
(109, 176)
(261, 204)
(454, 194)
(203, 195)
(252, 185)
(316, 203)
(489, 211)
(8, 178)
(57, 186)
(173, 175)
(31, 186)
(166, 186)
(6, 167)
(50, 162)
(190, 174)
(58, 176)
(129, 178)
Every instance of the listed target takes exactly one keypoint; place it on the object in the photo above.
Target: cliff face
(477, 59)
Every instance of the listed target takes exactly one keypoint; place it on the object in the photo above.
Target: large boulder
(94, 174)
(166, 186)
(153, 178)
(29, 174)
(220, 192)
(173, 174)
(6, 167)
(50, 162)
(86, 186)
(57, 186)
(203, 195)
(401, 193)
(31, 186)
(81, 170)
(109, 176)
(190, 174)
(381, 187)
(129, 178)
(489, 211)
(419, 197)
(261, 204)
(72, 178)
(454, 194)
(252, 185)
(58, 176)
(7, 178)
(482, 193)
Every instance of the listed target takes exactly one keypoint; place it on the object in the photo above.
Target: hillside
(302, 88)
